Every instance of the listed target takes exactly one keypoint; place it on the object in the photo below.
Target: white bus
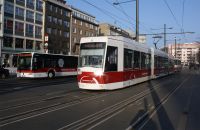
(37, 65)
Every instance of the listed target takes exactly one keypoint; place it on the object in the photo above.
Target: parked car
(4, 73)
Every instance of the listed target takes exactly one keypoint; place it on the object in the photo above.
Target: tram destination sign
(93, 45)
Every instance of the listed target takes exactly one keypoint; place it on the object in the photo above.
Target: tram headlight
(98, 73)
(79, 71)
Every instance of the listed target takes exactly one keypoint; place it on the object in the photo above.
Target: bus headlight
(98, 73)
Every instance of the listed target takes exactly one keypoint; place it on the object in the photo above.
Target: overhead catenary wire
(183, 13)
(121, 9)
(172, 13)
(108, 13)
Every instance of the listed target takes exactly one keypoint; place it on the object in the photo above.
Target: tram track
(53, 107)
(46, 109)
(95, 119)
(7, 87)
(6, 120)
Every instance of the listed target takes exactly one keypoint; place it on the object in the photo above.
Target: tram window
(155, 61)
(111, 59)
(128, 56)
(148, 61)
(143, 59)
(137, 59)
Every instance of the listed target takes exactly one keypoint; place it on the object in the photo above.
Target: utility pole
(164, 37)
(137, 21)
(175, 48)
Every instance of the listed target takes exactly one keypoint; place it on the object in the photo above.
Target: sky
(180, 15)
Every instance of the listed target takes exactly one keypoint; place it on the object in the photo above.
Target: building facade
(187, 52)
(83, 25)
(22, 27)
(106, 29)
(57, 26)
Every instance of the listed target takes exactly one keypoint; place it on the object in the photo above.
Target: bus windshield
(92, 54)
(24, 63)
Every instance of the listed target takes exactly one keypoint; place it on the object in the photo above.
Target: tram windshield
(92, 54)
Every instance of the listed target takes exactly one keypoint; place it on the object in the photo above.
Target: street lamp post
(137, 16)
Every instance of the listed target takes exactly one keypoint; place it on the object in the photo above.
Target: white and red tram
(113, 62)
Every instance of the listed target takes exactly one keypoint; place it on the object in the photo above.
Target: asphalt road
(168, 103)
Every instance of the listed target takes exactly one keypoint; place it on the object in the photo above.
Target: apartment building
(83, 25)
(22, 24)
(187, 52)
(57, 26)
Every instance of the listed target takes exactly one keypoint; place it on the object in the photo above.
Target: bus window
(37, 63)
(24, 63)
(111, 59)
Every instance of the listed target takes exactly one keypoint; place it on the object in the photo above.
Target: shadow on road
(162, 123)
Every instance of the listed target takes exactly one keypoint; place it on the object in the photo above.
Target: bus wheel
(51, 74)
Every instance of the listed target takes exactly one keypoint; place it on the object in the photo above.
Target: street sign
(46, 38)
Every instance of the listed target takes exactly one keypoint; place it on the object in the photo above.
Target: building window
(86, 24)
(54, 31)
(30, 4)
(39, 5)
(49, 18)
(60, 21)
(38, 32)
(66, 24)
(29, 44)
(38, 17)
(66, 13)
(80, 32)
(60, 32)
(7, 41)
(81, 23)
(38, 45)
(74, 30)
(50, 7)
(49, 30)
(61, 11)
(74, 20)
(74, 40)
(19, 43)
(29, 15)
(55, 20)
(66, 34)
(19, 28)
(20, 1)
(19, 12)
(9, 8)
(29, 30)
(8, 26)
(56, 9)
(91, 26)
